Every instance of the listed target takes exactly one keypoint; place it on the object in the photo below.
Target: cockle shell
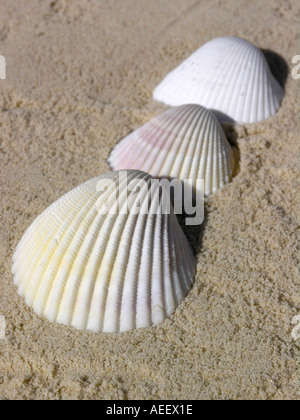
(185, 142)
(83, 265)
(228, 75)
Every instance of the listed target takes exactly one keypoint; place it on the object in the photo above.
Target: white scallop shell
(185, 142)
(81, 266)
(228, 75)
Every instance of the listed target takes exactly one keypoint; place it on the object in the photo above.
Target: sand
(80, 76)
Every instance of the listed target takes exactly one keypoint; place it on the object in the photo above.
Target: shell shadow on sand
(278, 66)
(193, 232)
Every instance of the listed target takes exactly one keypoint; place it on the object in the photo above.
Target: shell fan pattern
(185, 142)
(228, 75)
(81, 265)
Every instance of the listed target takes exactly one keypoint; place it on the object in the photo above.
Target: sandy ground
(80, 76)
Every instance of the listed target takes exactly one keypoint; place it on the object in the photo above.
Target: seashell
(185, 142)
(84, 265)
(228, 75)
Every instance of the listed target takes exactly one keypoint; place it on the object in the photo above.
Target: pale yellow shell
(81, 265)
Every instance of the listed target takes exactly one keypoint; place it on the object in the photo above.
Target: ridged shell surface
(228, 75)
(81, 265)
(185, 142)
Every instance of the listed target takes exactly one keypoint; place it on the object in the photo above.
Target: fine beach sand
(80, 76)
